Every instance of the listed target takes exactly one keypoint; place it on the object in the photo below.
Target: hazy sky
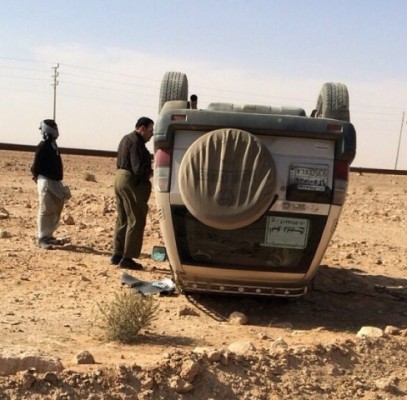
(112, 55)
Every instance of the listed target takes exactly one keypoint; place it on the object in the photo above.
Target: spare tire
(333, 102)
(227, 179)
(174, 86)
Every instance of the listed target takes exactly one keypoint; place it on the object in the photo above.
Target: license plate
(286, 232)
(309, 177)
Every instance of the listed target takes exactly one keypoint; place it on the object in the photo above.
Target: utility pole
(398, 147)
(55, 84)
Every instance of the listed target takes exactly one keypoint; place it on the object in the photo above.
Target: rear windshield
(282, 242)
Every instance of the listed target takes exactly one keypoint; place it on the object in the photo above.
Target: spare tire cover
(227, 179)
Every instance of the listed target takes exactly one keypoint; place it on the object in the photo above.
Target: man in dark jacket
(47, 171)
(132, 189)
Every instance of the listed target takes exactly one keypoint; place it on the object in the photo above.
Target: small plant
(370, 188)
(126, 314)
(89, 177)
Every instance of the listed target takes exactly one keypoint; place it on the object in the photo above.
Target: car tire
(333, 102)
(227, 179)
(174, 86)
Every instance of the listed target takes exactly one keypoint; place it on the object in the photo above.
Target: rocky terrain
(346, 339)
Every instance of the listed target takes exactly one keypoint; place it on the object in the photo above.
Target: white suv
(249, 196)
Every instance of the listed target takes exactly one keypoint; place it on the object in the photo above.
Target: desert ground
(51, 348)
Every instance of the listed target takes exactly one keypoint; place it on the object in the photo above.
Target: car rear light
(334, 128)
(340, 184)
(178, 117)
(162, 170)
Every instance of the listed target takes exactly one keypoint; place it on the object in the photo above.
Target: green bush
(126, 314)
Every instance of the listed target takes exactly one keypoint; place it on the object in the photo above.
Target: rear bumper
(274, 290)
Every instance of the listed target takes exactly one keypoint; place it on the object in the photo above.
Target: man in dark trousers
(132, 189)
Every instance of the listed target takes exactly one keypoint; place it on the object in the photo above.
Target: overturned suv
(249, 196)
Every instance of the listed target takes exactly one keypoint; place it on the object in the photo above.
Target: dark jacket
(133, 156)
(47, 161)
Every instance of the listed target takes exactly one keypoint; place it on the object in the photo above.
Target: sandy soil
(305, 349)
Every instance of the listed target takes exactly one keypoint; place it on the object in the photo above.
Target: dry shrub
(89, 177)
(126, 314)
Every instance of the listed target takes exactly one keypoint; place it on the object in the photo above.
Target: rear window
(277, 242)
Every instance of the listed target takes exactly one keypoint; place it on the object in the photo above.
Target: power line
(107, 80)
(106, 88)
(21, 68)
(23, 60)
(22, 77)
(111, 73)
(205, 88)
(206, 92)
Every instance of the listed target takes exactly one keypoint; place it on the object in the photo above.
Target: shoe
(115, 259)
(129, 264)
(55, 241)
(43, 244)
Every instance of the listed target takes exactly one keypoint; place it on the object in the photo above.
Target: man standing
(47, 171)
(132, 189)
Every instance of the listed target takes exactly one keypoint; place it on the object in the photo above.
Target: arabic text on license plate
(286, 232)
(310, 178)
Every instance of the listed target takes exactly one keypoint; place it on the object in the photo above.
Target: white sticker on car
(286, 232)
